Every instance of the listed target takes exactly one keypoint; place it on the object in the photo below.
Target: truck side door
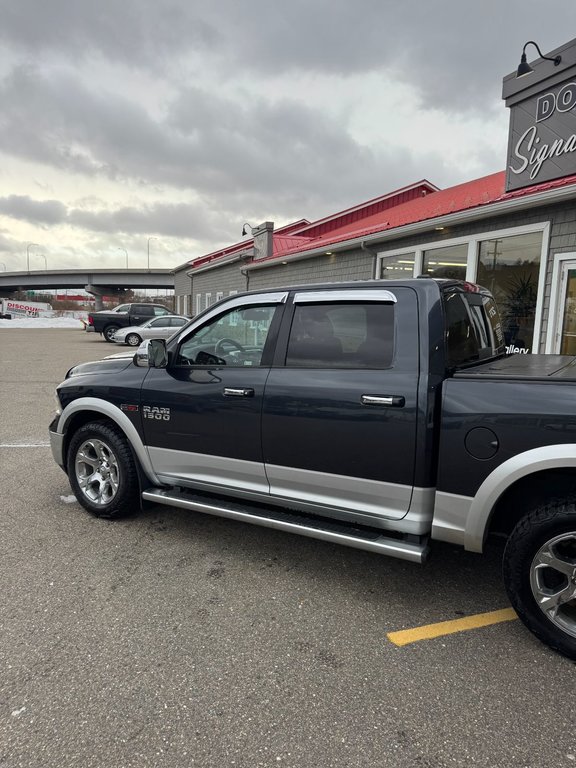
(201, 415)
(139, 313)
(341, 402)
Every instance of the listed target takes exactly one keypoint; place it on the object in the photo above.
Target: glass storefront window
(392, 267)
(449, 262)
(568, 338)
(509, 267)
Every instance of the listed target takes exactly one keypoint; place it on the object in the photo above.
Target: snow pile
(42, 322)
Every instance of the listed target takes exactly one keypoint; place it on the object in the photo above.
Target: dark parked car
(107, 322)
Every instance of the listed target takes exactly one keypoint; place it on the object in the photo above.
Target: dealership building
(513, 232)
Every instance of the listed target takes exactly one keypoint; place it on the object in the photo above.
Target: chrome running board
(412, 548)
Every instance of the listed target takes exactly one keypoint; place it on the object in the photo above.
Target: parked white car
(156, 328)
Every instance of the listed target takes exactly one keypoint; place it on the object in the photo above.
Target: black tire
(109, 331)
(540, 574)
(102, 471)
(133, 340)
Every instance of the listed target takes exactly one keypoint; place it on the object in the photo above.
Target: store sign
(542, 138)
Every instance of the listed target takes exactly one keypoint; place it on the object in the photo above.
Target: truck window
(235, 338)
(473, 329)
(346, 335)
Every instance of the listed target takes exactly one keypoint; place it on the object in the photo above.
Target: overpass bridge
(98, 282)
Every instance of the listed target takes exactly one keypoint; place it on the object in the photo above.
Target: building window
(208, 299)
(448, 261)
(509, 267)
(219, 295)
(198, 303)
(185, 310)
(394, 267)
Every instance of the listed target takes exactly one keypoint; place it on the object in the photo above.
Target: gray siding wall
(223, 280)
(353, 265)
(182, 287)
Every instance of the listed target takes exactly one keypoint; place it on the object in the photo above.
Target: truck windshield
(473, 329)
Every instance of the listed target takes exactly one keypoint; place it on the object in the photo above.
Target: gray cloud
(172, 220)
(231, 153)
(249, 157)
(22, 207)
(133, 32)
(454, 53)
(179, 220)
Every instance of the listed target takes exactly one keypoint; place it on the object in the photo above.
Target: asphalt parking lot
(176, 639)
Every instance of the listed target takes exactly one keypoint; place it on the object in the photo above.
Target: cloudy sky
(179, 120)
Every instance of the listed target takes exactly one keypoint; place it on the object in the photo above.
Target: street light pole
(28, 254)
(150, 238)
(4, 265)
(126, 252)
(45, 262)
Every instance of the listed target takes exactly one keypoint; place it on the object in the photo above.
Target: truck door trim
(316, 297)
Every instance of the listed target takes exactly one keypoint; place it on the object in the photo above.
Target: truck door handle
(231, 392)
(390, 401)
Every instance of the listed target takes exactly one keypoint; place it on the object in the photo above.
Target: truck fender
(114, 413)
(523, 464)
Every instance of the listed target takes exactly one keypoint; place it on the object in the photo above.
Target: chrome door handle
(232, 392)
(389, 401)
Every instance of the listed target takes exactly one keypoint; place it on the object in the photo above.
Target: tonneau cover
(524, 367)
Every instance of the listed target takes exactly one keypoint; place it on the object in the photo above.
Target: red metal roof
(302, 231)
(471, 194)
(409, 205)
(245, 245)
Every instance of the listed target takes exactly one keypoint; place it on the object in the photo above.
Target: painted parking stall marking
(441, 628)
(24, 445)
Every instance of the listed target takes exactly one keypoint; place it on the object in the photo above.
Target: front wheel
(102, 471)
(133, 339)
(109, 332)
(540, 574)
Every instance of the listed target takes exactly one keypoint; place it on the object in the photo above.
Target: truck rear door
(341, 401)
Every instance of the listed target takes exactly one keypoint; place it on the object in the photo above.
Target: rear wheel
(540, 574)
(102, 471)
(109, 331)
(133, 339)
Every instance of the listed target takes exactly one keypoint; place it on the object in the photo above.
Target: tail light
(90, 320)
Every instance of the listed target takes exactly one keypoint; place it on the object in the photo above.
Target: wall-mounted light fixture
(244, 229)
(329, 253)
(524, 68)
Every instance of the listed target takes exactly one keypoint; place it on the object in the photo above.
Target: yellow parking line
(429, 631)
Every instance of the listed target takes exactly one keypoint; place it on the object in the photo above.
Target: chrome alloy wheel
(97, 473)
(553, 581)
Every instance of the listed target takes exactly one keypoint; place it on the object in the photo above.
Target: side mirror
(152, 354)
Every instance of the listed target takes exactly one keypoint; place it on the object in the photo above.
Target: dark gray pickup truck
(380, 415)
(107, 322)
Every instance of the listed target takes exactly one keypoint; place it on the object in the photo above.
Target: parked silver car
(156, 328)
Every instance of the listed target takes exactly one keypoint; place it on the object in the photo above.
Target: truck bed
(533, 367)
